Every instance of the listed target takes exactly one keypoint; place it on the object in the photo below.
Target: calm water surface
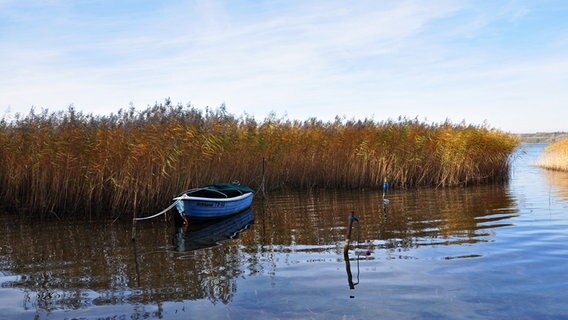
(490, 252)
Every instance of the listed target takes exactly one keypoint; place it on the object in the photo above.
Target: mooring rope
(159, 213)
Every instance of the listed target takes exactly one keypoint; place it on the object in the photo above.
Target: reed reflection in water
(74, 266)
(78, 266)
(558, 181)
(412, 218)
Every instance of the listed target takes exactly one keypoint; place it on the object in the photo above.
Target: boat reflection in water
(205, 234)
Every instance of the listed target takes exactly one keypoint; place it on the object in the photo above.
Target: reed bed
(555, 156)
(72, 164)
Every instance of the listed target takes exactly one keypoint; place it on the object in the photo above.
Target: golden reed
(72, 164)
(555, 156)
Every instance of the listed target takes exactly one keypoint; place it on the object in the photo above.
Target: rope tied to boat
(159, 213)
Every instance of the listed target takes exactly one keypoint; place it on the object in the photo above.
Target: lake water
(489, 252)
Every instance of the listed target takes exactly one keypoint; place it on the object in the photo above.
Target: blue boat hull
(212, 208)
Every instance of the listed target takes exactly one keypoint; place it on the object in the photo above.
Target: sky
(494, 62)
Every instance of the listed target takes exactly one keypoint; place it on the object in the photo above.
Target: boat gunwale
(237, 198)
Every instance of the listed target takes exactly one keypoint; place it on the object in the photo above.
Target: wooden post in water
(263, 179)
(134, 216)
(351, 219)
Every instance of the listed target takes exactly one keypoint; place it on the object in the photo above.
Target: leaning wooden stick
(351, 219)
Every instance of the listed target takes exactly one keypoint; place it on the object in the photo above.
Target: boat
(214, 201)
(210, 233)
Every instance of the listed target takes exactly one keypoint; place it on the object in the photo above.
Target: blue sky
(504, 63)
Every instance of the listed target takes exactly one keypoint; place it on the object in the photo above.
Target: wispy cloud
(457, 59)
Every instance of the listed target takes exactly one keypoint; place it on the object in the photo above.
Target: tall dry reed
(555, 156)
(72, 164)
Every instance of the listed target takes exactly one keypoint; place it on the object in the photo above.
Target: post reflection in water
(350, 274)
